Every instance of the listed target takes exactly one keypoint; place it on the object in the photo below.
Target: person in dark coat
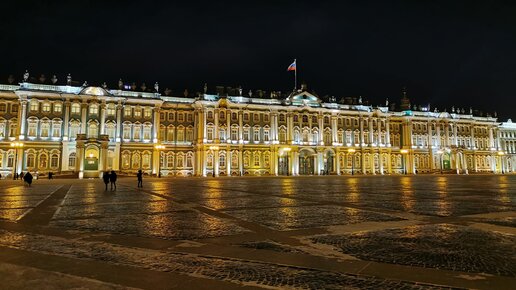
(139, 175)
(50, 175)
(28, 178)
(105, 177)
(112, 179)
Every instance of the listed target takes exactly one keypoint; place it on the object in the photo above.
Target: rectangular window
(256, 135)
(3, 108)
(189, 117)
(76, 108)
(180, 117)
(246, 134)
(234, 134)
(111, 111)
(147, 113)
(256, 117)
(266, 135)
(127, 112)
(137, 112)
(14, 108)
(34, 106)
(94, 110)
(46, 107)
(171, 117)
(57, 108)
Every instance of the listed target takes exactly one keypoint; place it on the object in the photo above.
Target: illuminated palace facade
(87, 130)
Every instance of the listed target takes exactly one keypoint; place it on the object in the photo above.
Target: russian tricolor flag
(292, 66)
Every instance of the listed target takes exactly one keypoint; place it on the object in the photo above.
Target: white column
(103, 118)
(321, 129)
(84, 111)
(118, 123)
(22, 120)
(228, 162)
(387, 133)
(337, 162)
(334, 134)
(216, 129)
(66, 120)
(156, 126)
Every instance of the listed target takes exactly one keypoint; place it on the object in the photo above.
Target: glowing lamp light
(403, 151)
(351, 150)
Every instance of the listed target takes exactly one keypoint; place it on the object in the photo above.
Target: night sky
(446, 53)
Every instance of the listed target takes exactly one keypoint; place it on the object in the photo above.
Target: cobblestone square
(327, 232)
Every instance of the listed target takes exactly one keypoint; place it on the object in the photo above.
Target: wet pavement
(328, 232)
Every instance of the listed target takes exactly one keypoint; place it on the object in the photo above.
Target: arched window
(54, 160)
(43, 161)
(71, 160)
(170, 161)
(136, 161)
(180, 161)
(126, 160)
(93, 130)
(31, 160)
(146, 160)
(45, 129)
(76, 109)
(94, 109)
(209, 160)
(234, 159)
(222, 160)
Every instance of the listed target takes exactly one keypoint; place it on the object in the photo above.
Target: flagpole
(295, 75)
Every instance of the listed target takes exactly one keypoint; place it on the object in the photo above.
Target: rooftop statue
(69, 80)
(25, 76)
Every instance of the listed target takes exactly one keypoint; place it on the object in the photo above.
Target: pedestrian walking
(28, 178)
(112, 179)
(50, 175)
(140, 178)
(105, 177)
(22, 176)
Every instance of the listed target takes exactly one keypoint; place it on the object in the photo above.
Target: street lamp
(403, 152)
(441, 152)
(501, 154)
(16, 146)
(158, 148)
(352, 152)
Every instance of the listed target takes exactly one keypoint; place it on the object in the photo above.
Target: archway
(306, 162)
(328, 162)
(91, 161)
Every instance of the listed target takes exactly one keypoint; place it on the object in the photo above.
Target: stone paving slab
(291, 218)
(251, 202)
(27, 278)
(441, 246)
(12, 214)
(238, 271)
(183, 224)
(96, 210)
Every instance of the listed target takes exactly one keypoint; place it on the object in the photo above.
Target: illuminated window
(127, 111)
(45, 128)
(111, 110)
(34, 106)
(71, 160)
(137, 112)
(256, 159)
(147, 113)
(94, 109)
(58, 108)
(46, 107)
(31, 160)
(76, 108)
(54, 161)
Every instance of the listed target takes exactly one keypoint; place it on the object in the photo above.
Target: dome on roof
(94, 91)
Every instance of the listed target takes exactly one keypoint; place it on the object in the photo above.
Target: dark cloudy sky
(460, 53)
